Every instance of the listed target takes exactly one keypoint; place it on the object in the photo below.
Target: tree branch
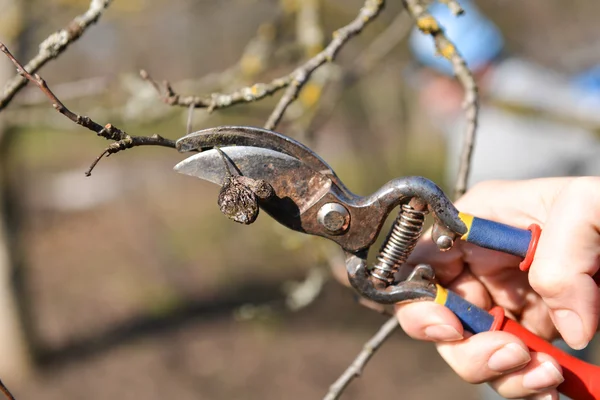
(454, 6)
(122, 139)
(293, 81)
(53, 46)
(255, 58)
(355, 369)
(217, 100)
(429, 25)
(4, 390)
(300, 76)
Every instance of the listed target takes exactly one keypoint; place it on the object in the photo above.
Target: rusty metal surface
(310, 198)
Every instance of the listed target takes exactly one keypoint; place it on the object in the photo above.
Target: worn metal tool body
(309, 197)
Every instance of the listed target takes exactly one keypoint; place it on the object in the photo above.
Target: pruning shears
(297, 188)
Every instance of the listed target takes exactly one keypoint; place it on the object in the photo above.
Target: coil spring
(399, 243)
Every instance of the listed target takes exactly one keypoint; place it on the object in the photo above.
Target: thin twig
(367, 60)
(53, 46)
(429, 25)
(293, 81)
(454, 6)
(215, 101)
(6, 392)
(122, 139)
(355, 369)
(190, 119)
(300, 76)
(254, 59)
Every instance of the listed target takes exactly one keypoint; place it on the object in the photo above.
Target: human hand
(558, 294)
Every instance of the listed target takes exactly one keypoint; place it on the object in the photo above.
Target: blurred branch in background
(5, 391)
(366, 61)
(255, 59)
(15, 335)
(293, 81)
(355, 369)
(53, 46)
(310, 37)
(429, 25)
(301, 75)
(318, 69)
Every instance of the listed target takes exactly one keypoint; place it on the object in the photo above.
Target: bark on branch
(300, 76)
(429, 25)
(4, 390)
(355, 369)
(122, 140)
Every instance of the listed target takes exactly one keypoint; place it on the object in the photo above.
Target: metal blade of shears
(297, 186)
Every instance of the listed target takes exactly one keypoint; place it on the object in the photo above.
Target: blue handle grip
(473, 318)
(496, 236)
(581, 379)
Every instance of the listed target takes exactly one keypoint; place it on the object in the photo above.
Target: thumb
(566, 260)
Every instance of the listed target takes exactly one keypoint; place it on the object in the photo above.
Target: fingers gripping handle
(582, 380)
(508, 239)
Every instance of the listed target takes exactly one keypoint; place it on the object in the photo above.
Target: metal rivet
(444, 242)
(334, 217)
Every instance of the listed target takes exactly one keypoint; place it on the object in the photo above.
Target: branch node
(122, 139)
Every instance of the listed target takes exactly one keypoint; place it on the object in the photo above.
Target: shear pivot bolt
(334, 217)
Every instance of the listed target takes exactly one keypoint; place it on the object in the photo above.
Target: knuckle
(547, 284)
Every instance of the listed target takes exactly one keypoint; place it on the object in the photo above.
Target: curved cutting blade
(251, 136)
(296, 185)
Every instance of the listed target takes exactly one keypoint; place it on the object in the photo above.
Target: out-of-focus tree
(15, 360)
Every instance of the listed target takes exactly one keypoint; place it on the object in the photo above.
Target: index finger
(566, 260)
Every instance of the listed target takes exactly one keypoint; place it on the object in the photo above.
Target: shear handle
(581, 379)
(418, 286)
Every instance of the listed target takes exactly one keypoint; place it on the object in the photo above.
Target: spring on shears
(399, 243)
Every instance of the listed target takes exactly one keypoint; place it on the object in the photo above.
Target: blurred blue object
(589, 80)
(477, 39)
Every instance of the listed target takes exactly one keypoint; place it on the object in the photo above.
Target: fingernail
(508, 357)
(571, 328)
(542, 377)
(442, 333)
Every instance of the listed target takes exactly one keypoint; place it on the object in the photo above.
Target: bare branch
(255, 58)
(217, 100)
(293, 81)
(429, 25)
(355, 369)
(454, 6)
(300, 76)
(53, 46)
(6, 392)
(122, 139)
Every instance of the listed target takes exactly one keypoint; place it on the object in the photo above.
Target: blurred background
(131, 284)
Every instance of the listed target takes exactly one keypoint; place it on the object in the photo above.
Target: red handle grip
(582, 380)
